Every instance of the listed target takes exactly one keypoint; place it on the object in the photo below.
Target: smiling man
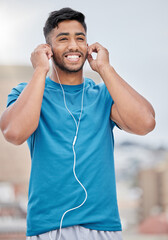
(68, 123)
(63, 40)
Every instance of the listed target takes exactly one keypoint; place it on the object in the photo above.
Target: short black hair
(63, 14)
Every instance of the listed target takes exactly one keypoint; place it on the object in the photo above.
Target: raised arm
(21, 118)
(131, 111)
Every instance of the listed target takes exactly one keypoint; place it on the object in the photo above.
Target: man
(68, 189)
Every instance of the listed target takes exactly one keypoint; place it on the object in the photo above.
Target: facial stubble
(59, 62)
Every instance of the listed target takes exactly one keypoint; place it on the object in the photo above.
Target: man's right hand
(40, 57)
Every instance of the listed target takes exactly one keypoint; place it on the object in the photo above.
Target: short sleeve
(109, 102)
(15, 92)
(12, 97)
(108, 97)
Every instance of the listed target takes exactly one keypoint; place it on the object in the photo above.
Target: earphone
(73, 144)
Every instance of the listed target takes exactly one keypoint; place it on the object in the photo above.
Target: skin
(131, 112)
(68, 39)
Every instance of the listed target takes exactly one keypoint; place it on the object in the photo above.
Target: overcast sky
(134, 31)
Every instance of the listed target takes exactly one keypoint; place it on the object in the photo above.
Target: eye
(80, 39)
(63, 39)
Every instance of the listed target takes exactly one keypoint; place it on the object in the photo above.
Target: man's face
(69, 46)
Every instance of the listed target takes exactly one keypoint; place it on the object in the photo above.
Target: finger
(43, 47)
(46, 48)
(95, 47)
(49, 54)
(90, 59)
(91, 49)
(49, 51)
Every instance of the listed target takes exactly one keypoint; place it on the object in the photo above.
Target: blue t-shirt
(53, 188)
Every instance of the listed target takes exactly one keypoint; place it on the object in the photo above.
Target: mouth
(73, 57)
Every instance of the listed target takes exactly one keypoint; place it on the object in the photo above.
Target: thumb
(92, 62)
(89, 58)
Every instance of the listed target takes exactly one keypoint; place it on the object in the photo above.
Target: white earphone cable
(73, 144)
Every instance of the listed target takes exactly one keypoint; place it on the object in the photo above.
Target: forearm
(21, 119)
(135, 111)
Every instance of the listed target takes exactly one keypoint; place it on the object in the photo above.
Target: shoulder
(15, 92)
(89, 83)
(97, 87)
(19, 88)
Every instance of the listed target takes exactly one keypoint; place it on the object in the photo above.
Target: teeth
(72, 56)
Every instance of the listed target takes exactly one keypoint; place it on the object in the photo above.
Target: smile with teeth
(73, 58)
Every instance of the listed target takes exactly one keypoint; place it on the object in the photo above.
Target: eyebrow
(67, 34)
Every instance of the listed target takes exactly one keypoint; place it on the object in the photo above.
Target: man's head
(65, 31)
(57, 17)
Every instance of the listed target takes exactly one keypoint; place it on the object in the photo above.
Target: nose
(73, 46)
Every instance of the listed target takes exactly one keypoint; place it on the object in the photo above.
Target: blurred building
(153, 213)
(14, 165)
(14, 160)
(163, 178)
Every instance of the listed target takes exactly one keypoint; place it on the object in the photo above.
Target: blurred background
(136, 34)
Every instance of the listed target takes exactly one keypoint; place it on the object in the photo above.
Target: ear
(50, 47)
(87, 46)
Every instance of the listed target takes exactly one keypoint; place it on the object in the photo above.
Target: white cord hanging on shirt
(73, 144)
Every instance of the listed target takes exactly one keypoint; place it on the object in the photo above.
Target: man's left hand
(102, 58)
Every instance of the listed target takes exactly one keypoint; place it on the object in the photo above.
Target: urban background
(136, 35)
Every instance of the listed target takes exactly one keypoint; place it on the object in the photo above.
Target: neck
(65, 77)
